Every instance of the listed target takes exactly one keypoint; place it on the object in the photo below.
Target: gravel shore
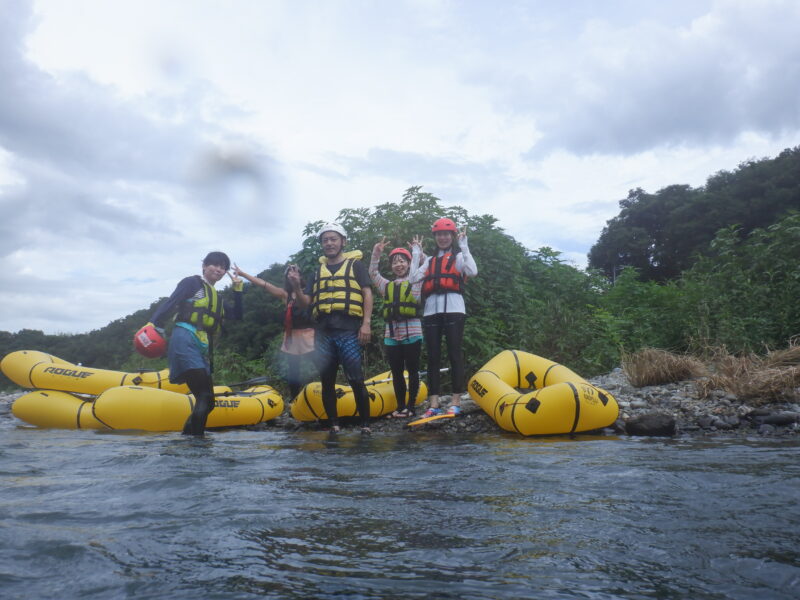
(661, 410)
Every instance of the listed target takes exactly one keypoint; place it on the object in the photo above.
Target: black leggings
(452, 326)
(405, 357)
(202, 387)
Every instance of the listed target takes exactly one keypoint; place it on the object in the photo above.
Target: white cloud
(137, 136)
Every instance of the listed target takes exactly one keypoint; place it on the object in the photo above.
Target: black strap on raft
(533, 405)
(531, 379)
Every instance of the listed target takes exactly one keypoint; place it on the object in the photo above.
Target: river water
(275, 514)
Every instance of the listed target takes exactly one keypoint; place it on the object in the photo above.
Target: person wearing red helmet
(298, 331)
(402, 336)
(199, 317)
(444, 313)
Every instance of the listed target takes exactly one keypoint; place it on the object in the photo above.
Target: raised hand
(235, 275)
(379, 246)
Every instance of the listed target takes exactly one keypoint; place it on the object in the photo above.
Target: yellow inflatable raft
(562, 401)
(147, 409)
(54, 409)
(307, 406)
(33, 369)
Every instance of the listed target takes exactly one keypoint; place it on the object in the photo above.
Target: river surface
(275, 514)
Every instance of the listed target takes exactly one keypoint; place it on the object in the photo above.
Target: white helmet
(332, 227)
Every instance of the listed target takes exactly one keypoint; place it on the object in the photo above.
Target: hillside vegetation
(721, 281)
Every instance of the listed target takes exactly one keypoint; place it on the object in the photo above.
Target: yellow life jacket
(204, 313)
(340, 292)
(399, 303)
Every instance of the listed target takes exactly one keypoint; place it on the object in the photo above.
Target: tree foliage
(741, 291)
(662, 235)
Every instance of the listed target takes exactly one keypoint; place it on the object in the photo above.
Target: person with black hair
(199, 313)
(402, 336)
(298, 331)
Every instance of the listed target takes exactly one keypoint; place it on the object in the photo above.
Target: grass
(759, 379)
(651, 366)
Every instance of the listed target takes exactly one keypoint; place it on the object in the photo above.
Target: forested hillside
(665, 233)
(683, 286)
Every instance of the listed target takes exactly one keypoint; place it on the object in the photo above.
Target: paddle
(253, 381)
(421, 374)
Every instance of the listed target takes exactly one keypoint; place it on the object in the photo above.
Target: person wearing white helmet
(340, 297)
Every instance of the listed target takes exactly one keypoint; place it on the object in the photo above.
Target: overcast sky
(137, 135)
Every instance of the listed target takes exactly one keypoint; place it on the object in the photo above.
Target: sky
(138, 135)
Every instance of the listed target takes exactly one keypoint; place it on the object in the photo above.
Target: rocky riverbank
(660, 410)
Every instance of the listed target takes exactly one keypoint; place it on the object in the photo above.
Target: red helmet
(402, 251)
(148, 342)
(444, 224)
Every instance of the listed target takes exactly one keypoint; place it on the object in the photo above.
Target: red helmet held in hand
(444, 224)
(149, 343)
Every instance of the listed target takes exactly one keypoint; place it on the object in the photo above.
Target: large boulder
(653, 424)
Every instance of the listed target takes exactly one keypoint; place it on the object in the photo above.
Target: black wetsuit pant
(405, 357)
(202, 387)
(451, 325)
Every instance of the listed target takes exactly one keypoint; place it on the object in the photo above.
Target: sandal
(432, 412)
(401, 414)
(366, 431)
(454, 409)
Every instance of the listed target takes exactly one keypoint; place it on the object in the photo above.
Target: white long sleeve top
(451, 302)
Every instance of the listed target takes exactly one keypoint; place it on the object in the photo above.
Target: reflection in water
(244, 514)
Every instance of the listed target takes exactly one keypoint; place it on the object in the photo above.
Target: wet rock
(780, 418)
(766, 430)
(652, 424)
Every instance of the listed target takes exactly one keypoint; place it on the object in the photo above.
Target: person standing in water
(200, 313)
(402, 336)
(340, 297)
(298, 333)
(444, 313)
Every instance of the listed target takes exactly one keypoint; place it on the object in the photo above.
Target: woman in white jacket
(444, 313)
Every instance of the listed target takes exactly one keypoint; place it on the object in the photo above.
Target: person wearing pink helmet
(402, 336)
(444, 313)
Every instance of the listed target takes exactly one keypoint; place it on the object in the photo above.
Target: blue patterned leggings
(335, 347)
